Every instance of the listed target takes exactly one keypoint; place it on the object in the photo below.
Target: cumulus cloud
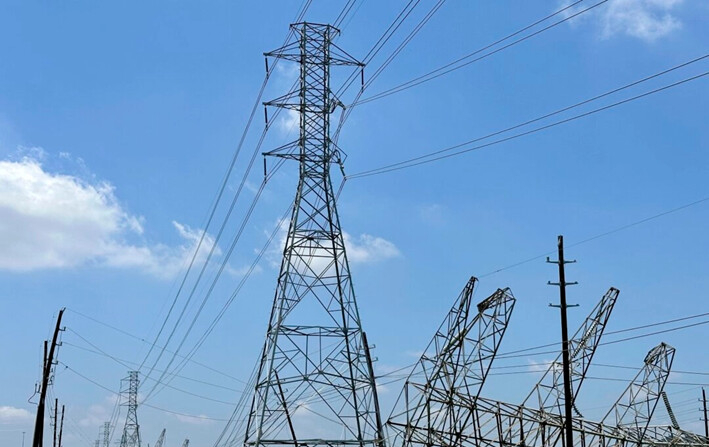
(360, 249)
(366, 248)
(13, 415)
(288, 121)
(648, 20)
(644, 19)
(50, 220)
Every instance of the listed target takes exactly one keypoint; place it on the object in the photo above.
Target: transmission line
(600, 235)
(105, 388)
(453, 66)
(220, 193)
(125, 365)
(446, 152)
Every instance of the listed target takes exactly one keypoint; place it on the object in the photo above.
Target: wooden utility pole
(706, 421)
(61, 428)
(568, 396)
(38, 440)
(56, 409)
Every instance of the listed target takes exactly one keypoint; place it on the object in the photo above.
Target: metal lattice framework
(161, 439)
(634, 408)
(131, 430)
(548, 394)
(455, 364)
(502, 423)
(496, 424)
(315, 384)
(106, 434)
(442, 410)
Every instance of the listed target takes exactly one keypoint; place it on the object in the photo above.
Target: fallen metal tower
(315, 382)
(441, 405)
(131, 430)
(635, 407)
(433, 409)
(625, 424)
(548, 393)
(161, 439)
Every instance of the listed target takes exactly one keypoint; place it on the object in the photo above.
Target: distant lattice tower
(315, 383)
(106, 434)
(131, 430)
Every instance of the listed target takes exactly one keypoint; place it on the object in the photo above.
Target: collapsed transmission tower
(315, 383)
(549, 391)
(634, 408)
(433, 408)
(131, 430)
(161, 439)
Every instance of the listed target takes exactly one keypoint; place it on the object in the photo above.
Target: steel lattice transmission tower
(131, 431)
(315, 384)
(105, 435)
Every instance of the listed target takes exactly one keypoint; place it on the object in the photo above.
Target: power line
(135, 337)
(236, 292)
(402, 16)
(452, 66)
(125, 365)
(621, 340)
(105, 388)
(222, 188)
(431, 156)
(128, 362)
(600, 235)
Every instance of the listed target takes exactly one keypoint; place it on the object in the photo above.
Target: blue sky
(117, 123)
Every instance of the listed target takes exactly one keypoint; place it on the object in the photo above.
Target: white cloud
(644, 19)
(362, 249)
(50, 220)
(367, 248)
(288, 121)
(647, 20)
(13, 415)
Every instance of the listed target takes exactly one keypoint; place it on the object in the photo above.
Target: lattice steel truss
(161, 439)
(498, 424)
(315, 384)
(131, 430)
(454, 366)
(548, 394)
(634, 408)
(106, 434)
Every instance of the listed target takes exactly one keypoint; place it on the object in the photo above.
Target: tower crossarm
(548, 393)
(452, 370)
